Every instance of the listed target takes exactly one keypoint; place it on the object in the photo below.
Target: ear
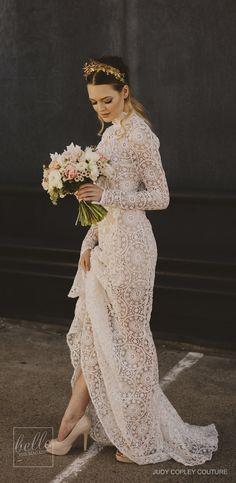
(126, 91)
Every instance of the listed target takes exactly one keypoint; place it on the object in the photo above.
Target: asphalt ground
(35, 390)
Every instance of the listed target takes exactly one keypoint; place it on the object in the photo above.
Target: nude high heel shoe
(56, 447)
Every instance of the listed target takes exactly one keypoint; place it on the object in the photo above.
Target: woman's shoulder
(140, 132)
(137, 130)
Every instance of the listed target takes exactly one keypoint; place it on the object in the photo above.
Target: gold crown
(95, 66)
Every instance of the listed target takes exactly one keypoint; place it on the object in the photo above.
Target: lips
(107, 114)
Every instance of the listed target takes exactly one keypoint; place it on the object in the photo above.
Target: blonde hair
(133, 105)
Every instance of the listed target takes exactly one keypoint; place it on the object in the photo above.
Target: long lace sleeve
(144, 145)
(90, 239)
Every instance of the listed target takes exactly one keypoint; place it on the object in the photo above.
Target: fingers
(87, 265)
(87, 187)
(89, 192)
(85, 262)
(85, 193)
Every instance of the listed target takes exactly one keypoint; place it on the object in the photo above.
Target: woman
(116, 396)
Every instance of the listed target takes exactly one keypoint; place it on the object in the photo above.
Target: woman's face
(106, 101)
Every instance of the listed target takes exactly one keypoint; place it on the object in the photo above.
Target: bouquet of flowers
(67, 171)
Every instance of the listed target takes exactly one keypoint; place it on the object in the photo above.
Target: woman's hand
(85, 260)
(89, 192)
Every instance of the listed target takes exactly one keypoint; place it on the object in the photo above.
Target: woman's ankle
(73, 418)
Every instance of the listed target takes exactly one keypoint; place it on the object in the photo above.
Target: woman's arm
(145, 146)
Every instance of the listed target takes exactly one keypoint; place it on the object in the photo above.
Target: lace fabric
(110, 338)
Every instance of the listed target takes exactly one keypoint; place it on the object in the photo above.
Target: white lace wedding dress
(110, 337)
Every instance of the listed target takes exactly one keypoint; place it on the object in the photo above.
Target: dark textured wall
(43, 94)
(180, 54)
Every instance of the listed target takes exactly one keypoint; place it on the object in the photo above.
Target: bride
(116, 397)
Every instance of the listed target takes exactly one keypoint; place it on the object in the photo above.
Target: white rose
(54, 179)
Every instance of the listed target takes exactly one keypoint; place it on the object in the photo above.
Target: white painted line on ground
(79, 464)
(82, 461)
(188, 361)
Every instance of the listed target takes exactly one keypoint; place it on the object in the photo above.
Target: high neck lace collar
(119, 118)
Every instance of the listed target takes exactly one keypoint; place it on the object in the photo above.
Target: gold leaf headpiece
(95, 66)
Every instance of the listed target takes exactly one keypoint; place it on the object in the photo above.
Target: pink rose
(71, 172)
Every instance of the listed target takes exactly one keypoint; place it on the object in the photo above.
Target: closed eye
(106, 102)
